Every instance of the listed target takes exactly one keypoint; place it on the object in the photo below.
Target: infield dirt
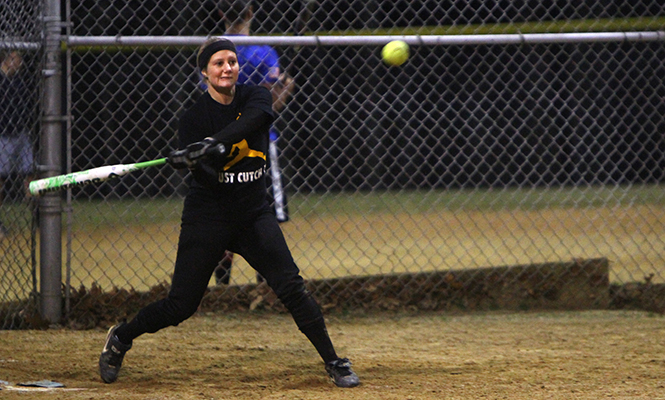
(547, 355)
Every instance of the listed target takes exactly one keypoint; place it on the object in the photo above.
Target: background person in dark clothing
(16, 152)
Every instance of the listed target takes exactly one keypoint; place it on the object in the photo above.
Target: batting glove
(178, 159)
(198, 150)
(189, 157)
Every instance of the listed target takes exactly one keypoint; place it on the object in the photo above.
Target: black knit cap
(212, 48)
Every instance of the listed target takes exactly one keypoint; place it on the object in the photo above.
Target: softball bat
(87, 177)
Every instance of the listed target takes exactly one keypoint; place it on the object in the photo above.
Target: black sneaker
(111, 359)
(341, 374)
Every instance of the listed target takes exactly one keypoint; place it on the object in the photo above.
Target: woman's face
(222, 71)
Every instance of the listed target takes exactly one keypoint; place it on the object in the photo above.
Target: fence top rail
(9, 44)
(378, 40)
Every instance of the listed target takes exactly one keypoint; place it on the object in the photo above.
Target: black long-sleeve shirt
(236, 190)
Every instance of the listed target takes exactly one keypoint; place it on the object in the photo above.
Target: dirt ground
(546, 355)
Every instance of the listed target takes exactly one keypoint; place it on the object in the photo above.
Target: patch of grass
(493, 199)
(94, 213)
(556, 26)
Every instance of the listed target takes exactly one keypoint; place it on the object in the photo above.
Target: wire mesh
(20, 62)
(466, 156)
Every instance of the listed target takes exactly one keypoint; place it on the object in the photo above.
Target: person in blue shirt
(259, 65)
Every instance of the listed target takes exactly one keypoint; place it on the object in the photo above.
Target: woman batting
(224, 138)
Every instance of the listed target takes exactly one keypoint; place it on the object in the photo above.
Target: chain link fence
(400, 180)
(20, 69)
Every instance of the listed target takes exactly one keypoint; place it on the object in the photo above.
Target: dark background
(451, 117)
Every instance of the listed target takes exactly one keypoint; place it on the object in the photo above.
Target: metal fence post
(50, 219)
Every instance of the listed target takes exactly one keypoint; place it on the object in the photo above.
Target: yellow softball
(395, 53)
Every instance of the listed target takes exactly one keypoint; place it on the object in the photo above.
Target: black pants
(201, 247)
